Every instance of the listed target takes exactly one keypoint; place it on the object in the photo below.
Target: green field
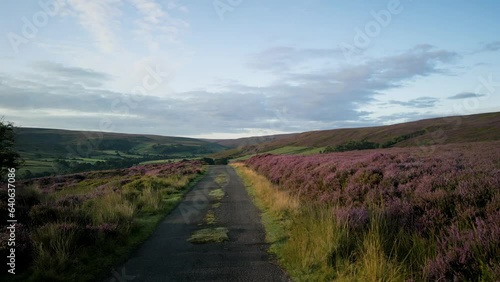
(53, 151)
(287, 150)
(162, 161)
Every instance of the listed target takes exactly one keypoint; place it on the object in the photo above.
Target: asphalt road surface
(168, 256)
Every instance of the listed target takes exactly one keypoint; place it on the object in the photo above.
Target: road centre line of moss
(217, 234)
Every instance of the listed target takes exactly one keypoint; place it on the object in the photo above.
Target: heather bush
(439, 208)
(52, 212)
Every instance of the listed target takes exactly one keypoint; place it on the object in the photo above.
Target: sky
(236, 68)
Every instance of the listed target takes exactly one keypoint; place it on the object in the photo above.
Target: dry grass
(279, 202)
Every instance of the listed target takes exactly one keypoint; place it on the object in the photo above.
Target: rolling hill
(445, 130)
(248, 141)
(54, 150)
(44, 150)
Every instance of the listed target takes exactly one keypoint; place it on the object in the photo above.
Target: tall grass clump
(149, 200)
(373, 257)
(112, 208)
(313, 240)
(54, 247)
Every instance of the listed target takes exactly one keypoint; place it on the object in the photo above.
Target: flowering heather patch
(58, 183)
(84, 217)
(450, 197)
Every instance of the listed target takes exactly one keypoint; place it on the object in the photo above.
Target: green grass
(54, 247)
(112, 208)
(113, 153)
(293, 150)
(210, 217)
(37, 166)
(157, 161)
(209, 235)
(85, 186)
(217, 194)
(89, 160)
(243, 158)
(166, 160)
(287, 150)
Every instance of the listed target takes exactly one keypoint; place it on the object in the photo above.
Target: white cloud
(326, 98)
(100, 18)
(104, 20)
(157, 24)
(152, 11)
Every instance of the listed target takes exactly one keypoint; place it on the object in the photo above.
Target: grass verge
(312, 245)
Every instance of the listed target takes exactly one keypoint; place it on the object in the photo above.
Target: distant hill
(456, 129)
(57, 151)
(57, 142)
(248, 141)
